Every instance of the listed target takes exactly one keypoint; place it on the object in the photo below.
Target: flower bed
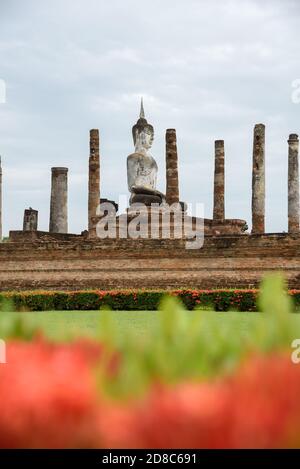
(218, 300)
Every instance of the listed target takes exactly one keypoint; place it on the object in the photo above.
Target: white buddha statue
(141, 166)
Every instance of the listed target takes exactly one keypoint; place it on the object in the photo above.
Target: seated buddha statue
(141, 166)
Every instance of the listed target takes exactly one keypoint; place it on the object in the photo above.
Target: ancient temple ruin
(229, 257)
(142, 175)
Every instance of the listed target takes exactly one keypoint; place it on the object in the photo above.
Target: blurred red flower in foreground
(50, 399)
(258, 407)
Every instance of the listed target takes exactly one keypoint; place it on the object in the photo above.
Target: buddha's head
(142, 132)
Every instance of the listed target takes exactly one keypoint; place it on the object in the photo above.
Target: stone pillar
(219, 181)
(293, 184)
(94, 181)
(258, 180)
(172, 190)
(59, 201)
(30, 221)
(0, 201)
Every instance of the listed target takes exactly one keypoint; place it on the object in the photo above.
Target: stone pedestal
(293, 184)
(219, 181)
(59, 201)
(258, 180)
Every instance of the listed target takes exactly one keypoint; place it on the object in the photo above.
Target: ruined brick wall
(224, 261)
(30, 236)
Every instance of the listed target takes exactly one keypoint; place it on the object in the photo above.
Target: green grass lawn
(64, 325)
(60, 325)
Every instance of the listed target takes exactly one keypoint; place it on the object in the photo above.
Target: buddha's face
(144, 139)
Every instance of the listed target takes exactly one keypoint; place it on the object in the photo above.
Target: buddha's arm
(132, 172)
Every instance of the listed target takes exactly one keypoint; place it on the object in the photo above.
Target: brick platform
(224, 261)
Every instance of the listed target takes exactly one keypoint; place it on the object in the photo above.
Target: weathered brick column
(219, 181)
(94, 181)
(172, 190)
(59, 201)
(258, 180)
(293, 184)
(30, 221)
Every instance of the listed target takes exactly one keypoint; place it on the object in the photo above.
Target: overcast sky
(210, 69)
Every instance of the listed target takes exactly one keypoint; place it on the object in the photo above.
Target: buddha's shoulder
(136, 156)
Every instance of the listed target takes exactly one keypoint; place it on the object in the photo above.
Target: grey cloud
(211, 69)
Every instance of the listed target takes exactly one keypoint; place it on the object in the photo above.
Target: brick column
(258, 180)
(94, 181)
(293, 184)
(172, 190)
(59, 201)
(30, 221)
(219, 181)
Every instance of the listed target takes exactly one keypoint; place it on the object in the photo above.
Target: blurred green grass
(69, 325)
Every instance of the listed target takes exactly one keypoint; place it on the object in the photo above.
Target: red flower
(48, 398)
(267, 409)
(258, 407)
